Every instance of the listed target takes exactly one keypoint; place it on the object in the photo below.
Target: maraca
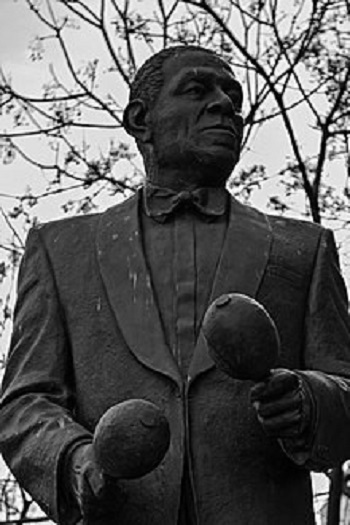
(242, 337)
(131, 439)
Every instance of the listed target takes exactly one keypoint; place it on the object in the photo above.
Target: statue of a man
(110, 308)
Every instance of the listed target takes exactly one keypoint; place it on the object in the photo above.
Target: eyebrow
(206, 76)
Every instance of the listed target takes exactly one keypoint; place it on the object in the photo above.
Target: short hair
(149, 78)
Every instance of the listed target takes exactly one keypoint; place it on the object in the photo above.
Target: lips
(221, 128)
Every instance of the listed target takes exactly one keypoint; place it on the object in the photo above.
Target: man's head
(184, 112)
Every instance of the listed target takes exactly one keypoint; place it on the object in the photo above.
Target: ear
(136, 120)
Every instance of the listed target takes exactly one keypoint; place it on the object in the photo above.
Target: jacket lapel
(128, 286)
(241, 267)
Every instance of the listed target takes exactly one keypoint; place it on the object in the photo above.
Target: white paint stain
(62, 423)
(133, 278)
(148, 282)
(149, 296)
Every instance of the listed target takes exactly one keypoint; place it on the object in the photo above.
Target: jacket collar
(128, 285)
(241, 266)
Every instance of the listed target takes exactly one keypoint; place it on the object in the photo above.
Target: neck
(184, 179)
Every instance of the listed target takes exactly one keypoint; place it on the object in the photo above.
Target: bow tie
(160, 203)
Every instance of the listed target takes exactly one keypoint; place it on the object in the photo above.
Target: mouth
(221, 129)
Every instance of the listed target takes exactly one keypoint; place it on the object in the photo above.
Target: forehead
(193, 62)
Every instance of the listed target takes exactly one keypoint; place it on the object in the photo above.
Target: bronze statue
(110, 309)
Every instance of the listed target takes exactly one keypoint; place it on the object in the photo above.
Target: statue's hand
(98, 495)
(283, 404)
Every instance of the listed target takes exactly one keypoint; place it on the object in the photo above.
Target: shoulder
(294, 242)
(295, 230)
(64, 234)
(286, 229)
(79, 229)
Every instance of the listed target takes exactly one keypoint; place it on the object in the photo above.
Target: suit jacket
(87, 334)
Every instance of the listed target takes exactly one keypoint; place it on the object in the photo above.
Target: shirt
(182, 254)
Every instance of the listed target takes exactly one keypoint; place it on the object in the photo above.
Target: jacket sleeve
(326, 363)
(37, 402)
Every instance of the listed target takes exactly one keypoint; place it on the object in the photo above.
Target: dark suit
(98, 340)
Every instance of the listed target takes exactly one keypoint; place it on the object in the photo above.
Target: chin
(216, 165)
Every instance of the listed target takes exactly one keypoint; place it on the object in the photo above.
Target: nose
(221, 103)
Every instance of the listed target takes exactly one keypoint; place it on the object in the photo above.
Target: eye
(238, 109)
(236, 102)
(195, 89)
(234, 92)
